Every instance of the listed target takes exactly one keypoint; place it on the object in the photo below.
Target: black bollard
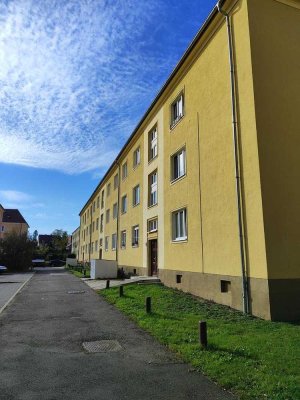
(203, 334)
(121, 291)
(107, 284)
(148, 305)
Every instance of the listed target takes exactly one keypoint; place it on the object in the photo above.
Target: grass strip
(253, 358)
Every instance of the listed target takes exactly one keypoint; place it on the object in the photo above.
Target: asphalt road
(41, 336)
(9, 285)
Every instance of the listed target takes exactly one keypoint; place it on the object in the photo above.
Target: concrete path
(10, 284)
(99, 284)
(41, 336)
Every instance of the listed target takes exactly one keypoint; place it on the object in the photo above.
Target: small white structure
(103, 269)
(71, 261)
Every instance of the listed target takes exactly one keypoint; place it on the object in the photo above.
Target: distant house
(11, 220)
(45, 240)
(76, 242)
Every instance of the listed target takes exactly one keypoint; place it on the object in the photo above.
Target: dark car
(57, 263)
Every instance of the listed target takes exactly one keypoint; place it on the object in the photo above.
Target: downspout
(118, 214)
(90, 229)
(235, 127)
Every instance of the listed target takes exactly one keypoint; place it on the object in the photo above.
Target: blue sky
(76, 77)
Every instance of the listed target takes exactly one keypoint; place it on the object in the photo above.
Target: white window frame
(178, 170)
(124, 204)
(179, 225)
(123, 239)
(153, 144)
(153, 194)
(136, 195)
(135, 235)
(116, 181)
(98, 201)
(108, 190)
(114, 241)
(101, 222)
(154, 228)
(136, 157)
(177, 109)
(115, 211)
(106, 243)
(96, 245)
(124, 170)
(97, 223)
(107, 216)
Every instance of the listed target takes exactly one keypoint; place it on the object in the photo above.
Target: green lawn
(79, 272)
(254, 359)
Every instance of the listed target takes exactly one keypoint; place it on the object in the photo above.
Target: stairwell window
(136, 195)
(124, 204)
(123, 239)
(108, 190)
(179, 225)
(115, 210)
(178, 165)
(152, 189)
(124, 170)
(113, 241)
(152, 225)
(101, 222)
(177, 110)
(106, 243)
(107, 216)
(135, 236)
(136, 157)
(152, 144)
(102, 199)
(116, 181)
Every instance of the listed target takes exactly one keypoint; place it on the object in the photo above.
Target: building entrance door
(153, 257)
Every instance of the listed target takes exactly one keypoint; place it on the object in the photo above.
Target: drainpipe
(118, 214)
(235, 132)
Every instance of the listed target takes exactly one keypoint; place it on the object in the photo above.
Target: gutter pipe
(235, 132)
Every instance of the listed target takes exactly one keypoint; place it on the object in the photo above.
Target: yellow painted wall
(275, 38)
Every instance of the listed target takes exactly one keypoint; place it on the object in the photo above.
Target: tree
(35, 235)
(59, 243)
(16, 251)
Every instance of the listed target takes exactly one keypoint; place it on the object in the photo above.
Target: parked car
(3, 269)
(57, 263)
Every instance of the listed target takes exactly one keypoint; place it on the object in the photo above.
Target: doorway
(153, 256)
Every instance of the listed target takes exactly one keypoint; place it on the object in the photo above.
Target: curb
(14, 295)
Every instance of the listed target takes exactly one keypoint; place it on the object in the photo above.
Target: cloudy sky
(76, 76)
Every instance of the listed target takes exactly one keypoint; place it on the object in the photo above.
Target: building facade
(205, 192)
(75, 242)
(11, 220)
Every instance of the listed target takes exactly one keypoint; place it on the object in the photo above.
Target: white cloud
(15, 196)
(72, 78)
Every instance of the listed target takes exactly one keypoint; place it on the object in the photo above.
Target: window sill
(153, 205)
(152, 159)
(135, 205)
(175, 123)
(183, 240)
(173, 181)
(134, 246)
(136, 166)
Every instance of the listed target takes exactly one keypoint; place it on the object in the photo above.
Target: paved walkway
(9, 286)
(99, 284)
(41, 336)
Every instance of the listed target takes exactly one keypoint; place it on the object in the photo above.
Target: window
(152, 144)
(92, 247)
(153, 189)
(88, 213)
(107, 216)
(115, 211)
(123, 239)
(177, 110)
(106, 243)
(97, 224)
(178, 168)
(152, 225)
(116, 181)
(101, 242)
(136, 157)
(102, 199)
(96, 245)
(124, 170)
(179, 223)
(108, 190)
(113, 241)
(124, 204)
(135, 236)
(101, 222)
(225, 286)
(136, 195)
(98, 201)
(94, 206)
(93, 226)
(90, 228)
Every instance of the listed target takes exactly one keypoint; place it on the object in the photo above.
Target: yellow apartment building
(76, 242)
(205, 193)
(11, 220)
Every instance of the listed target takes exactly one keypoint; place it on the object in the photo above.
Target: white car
(3, 268)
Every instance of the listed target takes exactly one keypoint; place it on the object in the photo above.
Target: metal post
(121, 291)
(107, 284)
(148, 305)
(203, 333)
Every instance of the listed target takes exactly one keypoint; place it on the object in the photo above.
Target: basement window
(178, 278)
(225, 286)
